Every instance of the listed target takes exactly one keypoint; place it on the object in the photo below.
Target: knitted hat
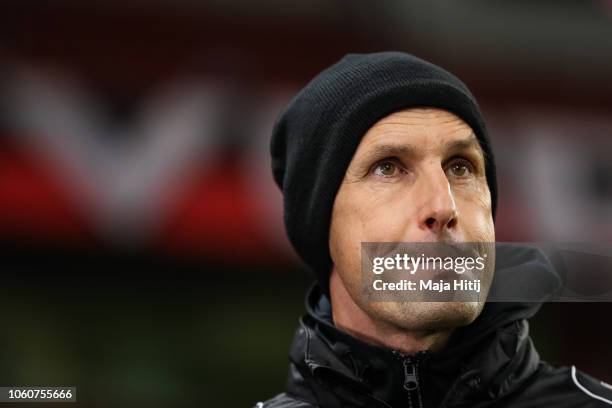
(315, 137)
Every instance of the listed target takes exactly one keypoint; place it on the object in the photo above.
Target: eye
(461, 168)
(385, 169)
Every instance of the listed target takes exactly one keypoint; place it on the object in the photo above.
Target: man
(387, 147)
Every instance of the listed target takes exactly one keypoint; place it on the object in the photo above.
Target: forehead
(419, 128)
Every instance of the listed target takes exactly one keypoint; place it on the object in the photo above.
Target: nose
(438, 212)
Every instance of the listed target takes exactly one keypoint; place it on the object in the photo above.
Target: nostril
(451, 223)
(430, 222)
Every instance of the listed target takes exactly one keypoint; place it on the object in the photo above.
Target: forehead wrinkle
(425, 120)
(385, 123)
(383, 133)
(378, 149)
(419, 122)
(422, 111)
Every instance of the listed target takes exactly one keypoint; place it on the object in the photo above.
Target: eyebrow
(469, 142)
(381, 151)
(388, 150)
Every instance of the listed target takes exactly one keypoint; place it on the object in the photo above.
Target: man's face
(418, 175)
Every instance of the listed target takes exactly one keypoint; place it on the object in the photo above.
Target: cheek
(364, 214)
(475, 211)
(346, 229)
(343, 248)
(359, 215)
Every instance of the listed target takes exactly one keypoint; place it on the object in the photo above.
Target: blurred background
(144, 257)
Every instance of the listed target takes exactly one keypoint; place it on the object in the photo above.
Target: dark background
(144, 258)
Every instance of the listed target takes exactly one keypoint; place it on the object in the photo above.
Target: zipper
(411, 378)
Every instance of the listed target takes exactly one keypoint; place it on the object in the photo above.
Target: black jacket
(489, 363)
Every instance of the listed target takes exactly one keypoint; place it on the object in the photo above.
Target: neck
(351, 318)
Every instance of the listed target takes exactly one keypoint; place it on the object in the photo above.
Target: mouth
(450, 274)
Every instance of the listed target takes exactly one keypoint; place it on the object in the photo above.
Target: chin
(427, 316)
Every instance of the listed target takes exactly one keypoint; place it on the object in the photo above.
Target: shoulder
(566, 387)
(283, 400)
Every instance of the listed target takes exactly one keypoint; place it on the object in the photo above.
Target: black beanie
(315, 137)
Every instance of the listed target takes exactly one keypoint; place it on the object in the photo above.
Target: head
(383, 147)
(418, 175)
